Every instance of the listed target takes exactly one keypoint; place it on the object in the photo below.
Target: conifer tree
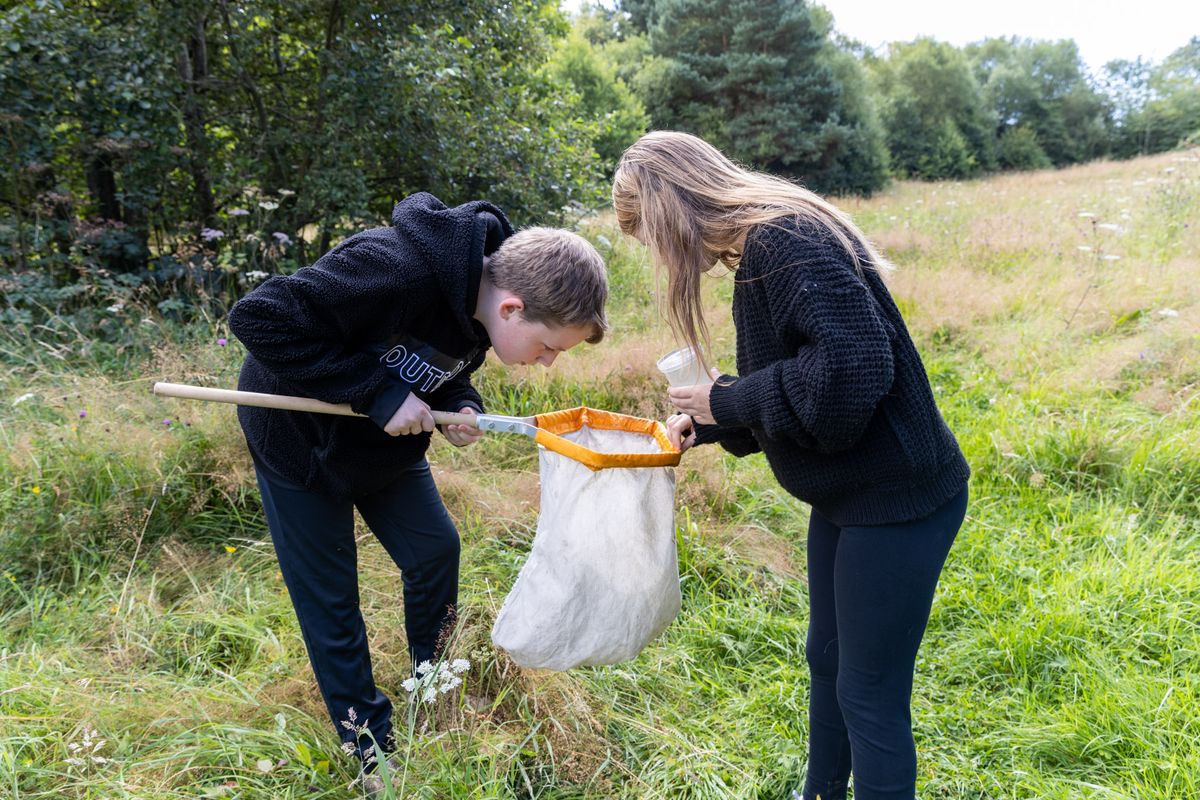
(760, 80)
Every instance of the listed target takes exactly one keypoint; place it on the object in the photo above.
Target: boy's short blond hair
(557, 274)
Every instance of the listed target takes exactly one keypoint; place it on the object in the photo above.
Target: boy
(393, 321)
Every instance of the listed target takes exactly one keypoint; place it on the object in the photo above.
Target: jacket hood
(453, 242)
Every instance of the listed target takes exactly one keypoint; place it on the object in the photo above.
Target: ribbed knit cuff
(725, 403)
(706, 434)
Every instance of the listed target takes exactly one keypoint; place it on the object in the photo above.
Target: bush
(1019, 149)
(947, 156)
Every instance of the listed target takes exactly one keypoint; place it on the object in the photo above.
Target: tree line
(770, 82)
(185, 149)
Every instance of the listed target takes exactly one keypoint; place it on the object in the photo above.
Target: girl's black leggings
(870, 591)
(314, 542)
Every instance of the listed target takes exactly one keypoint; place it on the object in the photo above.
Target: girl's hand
(694, 400)
(462, 435)
(681, 431)
(410, 418)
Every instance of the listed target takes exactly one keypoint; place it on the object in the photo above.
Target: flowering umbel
(430, 681)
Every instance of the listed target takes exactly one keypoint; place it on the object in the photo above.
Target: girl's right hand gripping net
(602, 579)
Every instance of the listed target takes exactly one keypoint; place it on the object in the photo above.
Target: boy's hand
(462, 435)
(693, 400)
(411, 417)
(681, 431)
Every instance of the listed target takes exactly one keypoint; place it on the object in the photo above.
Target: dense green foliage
(604, 97)
(938, 123)
(1042, 87)
(230, 137)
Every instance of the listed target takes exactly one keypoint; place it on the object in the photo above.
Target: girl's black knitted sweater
(832, 389)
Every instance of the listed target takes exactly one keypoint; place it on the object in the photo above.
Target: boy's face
(517, 341)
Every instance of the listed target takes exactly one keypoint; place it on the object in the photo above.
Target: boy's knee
(445, 545)
(451, 545)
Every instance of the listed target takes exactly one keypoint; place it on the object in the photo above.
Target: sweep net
(602, 579)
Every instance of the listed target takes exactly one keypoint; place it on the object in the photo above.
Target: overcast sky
(1103, 29)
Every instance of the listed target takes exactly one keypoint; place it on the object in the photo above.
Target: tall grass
(148, 648)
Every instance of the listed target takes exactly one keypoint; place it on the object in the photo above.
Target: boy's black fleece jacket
(385, 313)
(832, 389)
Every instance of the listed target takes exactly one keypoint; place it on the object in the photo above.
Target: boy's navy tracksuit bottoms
(314, 541)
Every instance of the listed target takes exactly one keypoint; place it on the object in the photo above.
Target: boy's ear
(510, 305)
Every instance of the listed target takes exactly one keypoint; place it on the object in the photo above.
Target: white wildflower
(281, 237)
(268, 205)
(285, 192)
(115, 308)
(256, 275)
(211, 234)
(1168, 312)
(460, 665)
(410, 685)
(264, 764)
(424, 668)
(429, 695)
(238, 212)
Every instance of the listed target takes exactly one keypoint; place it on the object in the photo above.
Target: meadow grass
(148, 647)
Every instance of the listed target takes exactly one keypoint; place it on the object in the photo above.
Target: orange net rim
(551, 426)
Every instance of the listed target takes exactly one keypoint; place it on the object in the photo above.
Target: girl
(833, 392)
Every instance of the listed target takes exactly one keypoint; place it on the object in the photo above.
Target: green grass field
(148, 648)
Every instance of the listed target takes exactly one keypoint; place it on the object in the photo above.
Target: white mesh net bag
(602, 579)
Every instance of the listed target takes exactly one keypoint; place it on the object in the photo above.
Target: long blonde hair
(693, 207)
